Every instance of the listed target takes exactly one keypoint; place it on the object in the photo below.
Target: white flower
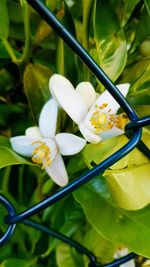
(46, 147)
(96, 116)
(121, 252)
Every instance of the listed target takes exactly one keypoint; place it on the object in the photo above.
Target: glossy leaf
(114, 223)
(7, 156)
(65, 256)
(98, 152)
(36, 79)
(110, 41)
(130, 187)
(102, 248)
(142, 85)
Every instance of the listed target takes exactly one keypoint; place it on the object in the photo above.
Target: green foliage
(113, 223)
(4, 20)
(35, 81)
(110, 41)
(113, 209)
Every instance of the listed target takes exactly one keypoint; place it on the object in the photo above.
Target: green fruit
(145, 48)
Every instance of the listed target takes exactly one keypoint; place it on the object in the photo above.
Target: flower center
(41, 154)
(104, 121)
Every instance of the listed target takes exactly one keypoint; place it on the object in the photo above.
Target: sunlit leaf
(130, 186)
(65, 256)
(98, 152)
(102, 248)
(113, 223)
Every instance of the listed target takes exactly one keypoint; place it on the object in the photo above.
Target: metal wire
(135, 140)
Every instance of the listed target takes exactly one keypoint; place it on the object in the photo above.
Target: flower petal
(111, 105)
(88, 135)
(57, 171)
(23, 145)
(65, 94)
(69, 144)
(87, 92)
(52, 147)
(123, 252)
(112, 132)
(48, 119)
(33, 132)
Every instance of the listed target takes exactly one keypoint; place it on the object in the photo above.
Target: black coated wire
(135, 125)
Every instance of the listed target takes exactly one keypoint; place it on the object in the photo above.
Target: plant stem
(20, 183)
(10, 50)
(5, 182)
(86, 6)
(60, 57)
(26, 49)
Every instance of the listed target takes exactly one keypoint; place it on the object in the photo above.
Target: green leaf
(134, 72)
(142, 85)
(130, 186)
(98, 152)
(13, 9)
(47, 186)
(4, 20)
(3, 53)
(36, 79)
(114, 223)
(66, 256)
(143, 29)
(15, 262)
(71, 217)
(110, 40)
(102, 248)
(124, 9)
(142, 110)
(147, 3)
(9, 157)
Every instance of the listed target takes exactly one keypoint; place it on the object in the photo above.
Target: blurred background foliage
(117, 34)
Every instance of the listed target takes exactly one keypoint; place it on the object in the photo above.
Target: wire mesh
(133, 131)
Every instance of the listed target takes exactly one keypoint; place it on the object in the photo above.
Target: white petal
(69, 144)
(123, 252)
(52, 147)
(88, 135)
(65, 94)
(87, 92)
(57, 171)
(23, 145)
(123, 88)
(112, 132)
(33, 132)
(48, 119)
(105, 98)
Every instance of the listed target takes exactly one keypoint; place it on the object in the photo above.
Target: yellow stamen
(103, 122)
(121, 121)
(41, 154)
(98, 120)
